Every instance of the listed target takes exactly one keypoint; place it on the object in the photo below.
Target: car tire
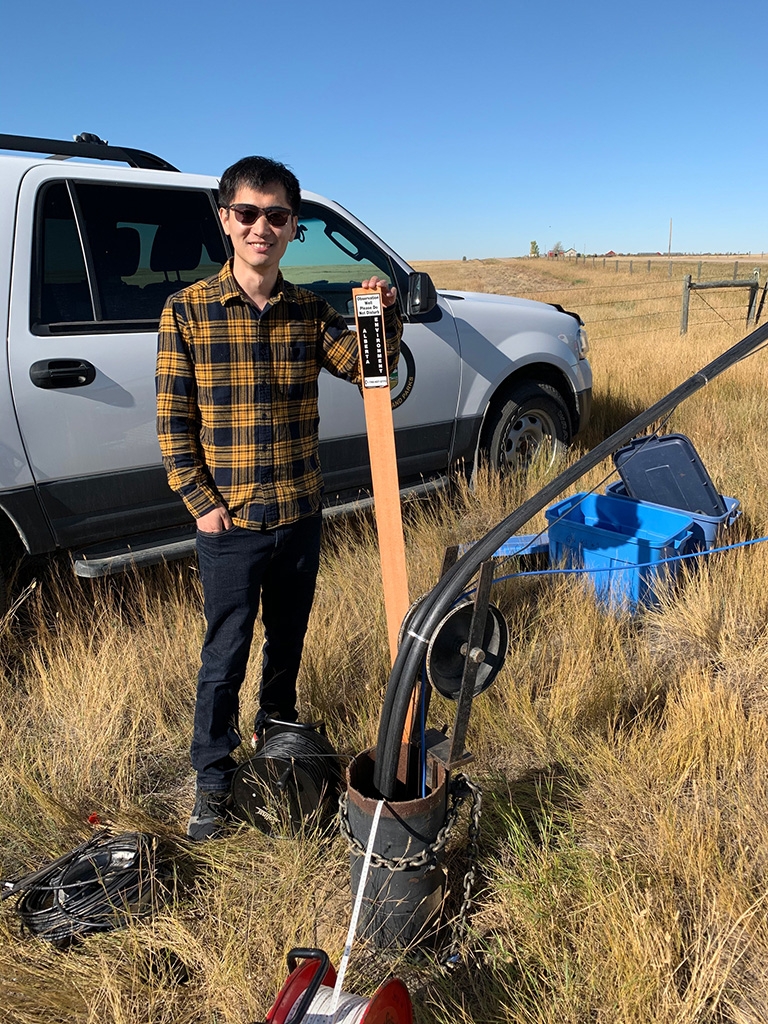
(531, 416)
(3, 593)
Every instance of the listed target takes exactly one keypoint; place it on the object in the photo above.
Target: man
(239, 356)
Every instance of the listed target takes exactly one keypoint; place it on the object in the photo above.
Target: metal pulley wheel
(448, 649)
(405, 624)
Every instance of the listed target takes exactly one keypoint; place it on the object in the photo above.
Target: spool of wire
(350, 1008)
(309, 996)
(100, 885)
(293, 778)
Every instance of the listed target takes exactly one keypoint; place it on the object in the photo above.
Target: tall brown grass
(624, 760)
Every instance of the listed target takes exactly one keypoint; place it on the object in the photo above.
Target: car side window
(62, 293)
(330, 257)
(108, 254)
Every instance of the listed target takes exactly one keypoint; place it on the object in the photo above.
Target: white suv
(89, 251)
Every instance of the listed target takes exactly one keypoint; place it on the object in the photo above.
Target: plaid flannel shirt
(237, 415)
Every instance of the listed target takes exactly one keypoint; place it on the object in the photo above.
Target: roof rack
(86, 148)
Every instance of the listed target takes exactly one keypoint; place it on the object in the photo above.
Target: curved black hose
(99, 886)
(432, 609)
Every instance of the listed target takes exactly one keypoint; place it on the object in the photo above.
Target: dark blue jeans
(237, 568)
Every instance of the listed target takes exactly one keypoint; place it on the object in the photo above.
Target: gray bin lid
(667, 470)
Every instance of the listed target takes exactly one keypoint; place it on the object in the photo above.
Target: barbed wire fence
(650, 304)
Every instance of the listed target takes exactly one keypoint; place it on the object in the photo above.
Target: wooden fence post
(752, 311)
(686, 304)
(762, 303)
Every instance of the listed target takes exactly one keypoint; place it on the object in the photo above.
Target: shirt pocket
(294, 368)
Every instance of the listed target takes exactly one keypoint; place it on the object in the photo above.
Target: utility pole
(669, 250)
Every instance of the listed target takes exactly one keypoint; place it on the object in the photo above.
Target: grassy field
(624, 761)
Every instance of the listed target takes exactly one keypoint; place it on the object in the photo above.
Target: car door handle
(62, 373)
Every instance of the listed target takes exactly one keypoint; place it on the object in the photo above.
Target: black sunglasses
(277, 216)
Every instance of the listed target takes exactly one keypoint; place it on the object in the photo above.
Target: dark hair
(257, 172)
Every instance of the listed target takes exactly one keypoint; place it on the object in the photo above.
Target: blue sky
(452, 129)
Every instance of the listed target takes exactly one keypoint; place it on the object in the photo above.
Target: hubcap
(525, 437)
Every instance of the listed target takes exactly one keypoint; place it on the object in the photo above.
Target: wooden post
(762, 303)
(735, 269)
(752, 311)
(698, 274)
(369, 320)
(686, 303)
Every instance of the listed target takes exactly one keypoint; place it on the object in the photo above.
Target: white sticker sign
(370, 326)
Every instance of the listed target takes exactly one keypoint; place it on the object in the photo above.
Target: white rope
(356, 910)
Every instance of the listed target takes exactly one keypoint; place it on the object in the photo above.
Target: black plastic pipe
(436, 604)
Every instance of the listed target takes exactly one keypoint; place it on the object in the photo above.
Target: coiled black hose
(310, 752)
(294, 775)
(100, 885)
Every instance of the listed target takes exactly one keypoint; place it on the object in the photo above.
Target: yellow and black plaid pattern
(237, 414)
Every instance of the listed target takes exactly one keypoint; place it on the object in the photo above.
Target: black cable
(294, 767)
(99, 886)
(309, 752)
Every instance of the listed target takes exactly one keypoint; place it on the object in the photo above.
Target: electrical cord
(294, 775)
(99, 886)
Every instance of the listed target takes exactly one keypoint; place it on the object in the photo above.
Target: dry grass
(624, 760)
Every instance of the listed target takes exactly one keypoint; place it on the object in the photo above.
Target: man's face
(259, 246)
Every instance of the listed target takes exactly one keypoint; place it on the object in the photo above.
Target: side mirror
(422, 294)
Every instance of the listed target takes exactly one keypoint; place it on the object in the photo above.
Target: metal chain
(428, 856)
(473, 853)
(460, 788)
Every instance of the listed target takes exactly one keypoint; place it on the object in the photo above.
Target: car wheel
(3, 594)
(532, 423)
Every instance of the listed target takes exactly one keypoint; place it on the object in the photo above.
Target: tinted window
(141, 245)
(330, 257)
(63, 294)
